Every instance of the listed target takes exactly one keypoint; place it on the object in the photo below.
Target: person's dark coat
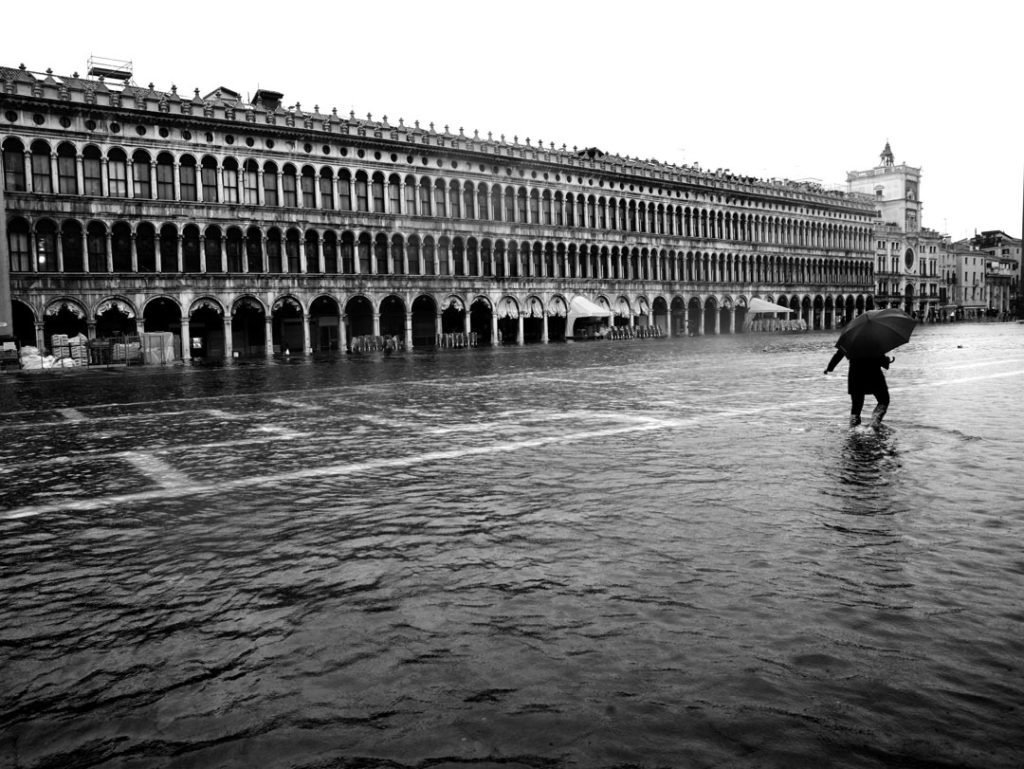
(866, 377)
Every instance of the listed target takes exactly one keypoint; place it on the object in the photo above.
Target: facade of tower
(245, 227)
(907, 254)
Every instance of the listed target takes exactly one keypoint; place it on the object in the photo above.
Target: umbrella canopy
(760, 305)
(875, 332)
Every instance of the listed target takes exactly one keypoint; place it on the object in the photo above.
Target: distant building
(907, 255)
(1003, 271)
(245, 226)
(964, 269)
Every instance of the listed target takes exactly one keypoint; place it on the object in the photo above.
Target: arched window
(41, 179)
(524, 213)
(46, 246)
(481, 202)
(425, 202)
(378, 193)
(344, 190)
(254, 250)
(410, 195)
(67, 176)
(311, 249)
(212, 249)
(326, 189)
(145, 247)
(467, 200)
(14, 165)
(18, 244)
(291, 249)
(362, 192)
(117, 174)
(348, 253)
(121, 243)
(510, 204)
(92, 171)
(497, 200)
(440, 208)
(229, 170)
(534, 207)
(308, 182)
(190, 245)
(209, 179)
(365, 266)
(289, 187)
(412, 255)
(169, 248)
(270, 197)
(429, 262)
(234, 247)
(96, 244)
(546, 217)
(188, 184)
(394, 194)
(274, 263)
(164, 177)
(453, 198)
(251, 183)
(330, 251)
(71, 245)
(141, 182)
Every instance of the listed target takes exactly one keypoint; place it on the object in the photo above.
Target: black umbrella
(875, 332)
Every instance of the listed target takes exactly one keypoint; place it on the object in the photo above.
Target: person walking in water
(865, 378)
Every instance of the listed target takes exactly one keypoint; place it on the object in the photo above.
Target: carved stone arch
(206, 303)
(72, 306)
(250, 302)
(115, 303)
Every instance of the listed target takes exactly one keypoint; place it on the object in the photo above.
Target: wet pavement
(649, 553)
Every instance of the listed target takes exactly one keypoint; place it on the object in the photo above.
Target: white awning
(760, 305)
(582, 307)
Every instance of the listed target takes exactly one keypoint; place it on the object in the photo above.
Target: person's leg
(880, 408)
(856, 404)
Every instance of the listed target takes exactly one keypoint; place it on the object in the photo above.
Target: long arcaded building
(247, 226)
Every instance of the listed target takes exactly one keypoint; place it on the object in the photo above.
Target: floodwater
(650, 553)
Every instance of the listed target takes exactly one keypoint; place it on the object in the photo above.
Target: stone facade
(248, 227)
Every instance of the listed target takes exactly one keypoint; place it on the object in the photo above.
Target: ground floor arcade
(239, 324)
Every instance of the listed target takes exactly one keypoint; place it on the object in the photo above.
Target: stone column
(732, 320)
(342, 336)
(544, 328)
(408, 331)
(110, 251)
(270, 335)
(465, 323)
(85, 250)
(229, 351)
(79, 174)
(519, 339)
(176, 171)
(54, 181)
(60, 252)
(186, 339)
(306, 349)
(129, 178)
(700, 322)
(135, 254)
(494, 329)
(376, 323)
(41, 338)
(438, 326)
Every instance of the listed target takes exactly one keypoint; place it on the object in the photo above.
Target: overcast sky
(783, 89)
